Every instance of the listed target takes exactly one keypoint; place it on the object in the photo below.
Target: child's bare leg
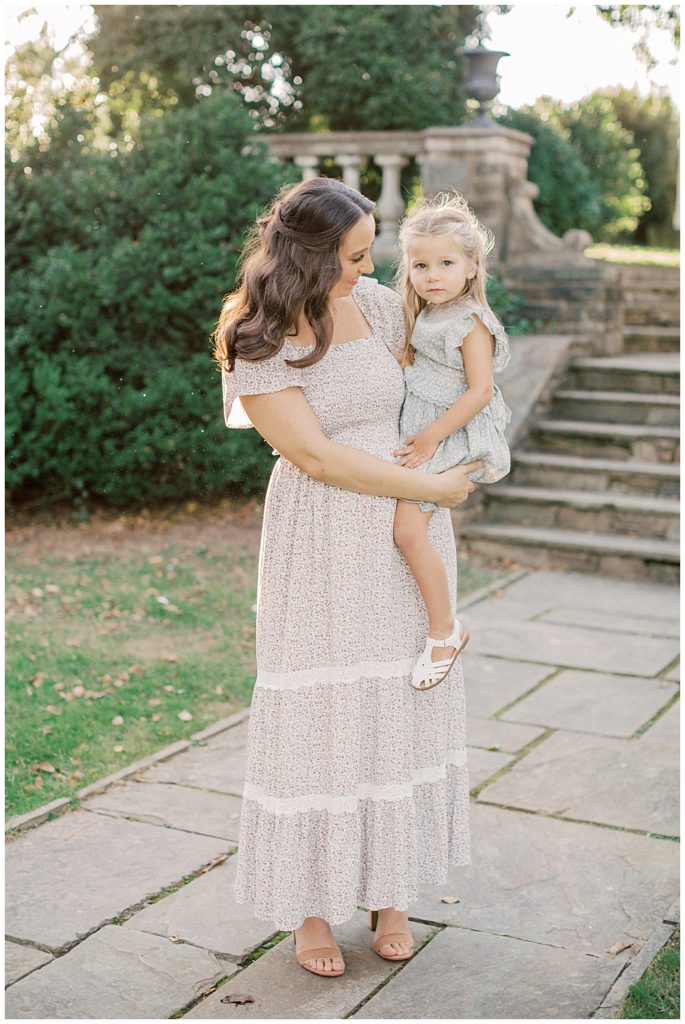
(411, 536)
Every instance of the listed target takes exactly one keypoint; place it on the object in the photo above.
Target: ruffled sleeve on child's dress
(254, 377)
(464, 326)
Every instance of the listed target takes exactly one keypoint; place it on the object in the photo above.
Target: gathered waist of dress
(439, 384)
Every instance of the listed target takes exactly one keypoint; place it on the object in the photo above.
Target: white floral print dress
(437, 378)
(356, 786)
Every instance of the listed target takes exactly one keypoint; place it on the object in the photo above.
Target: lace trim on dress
(364, 791)
(334, 674)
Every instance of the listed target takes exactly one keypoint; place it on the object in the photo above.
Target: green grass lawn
(656, 995)
(634, 254)
(120, 642)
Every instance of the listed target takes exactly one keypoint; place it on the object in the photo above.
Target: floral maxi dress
(356, 785)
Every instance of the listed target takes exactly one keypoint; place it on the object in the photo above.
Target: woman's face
(355, 255)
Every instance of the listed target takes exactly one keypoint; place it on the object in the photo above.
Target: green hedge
(116, 272)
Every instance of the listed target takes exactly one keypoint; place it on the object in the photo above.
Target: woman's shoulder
(372, 291)
(384, 309)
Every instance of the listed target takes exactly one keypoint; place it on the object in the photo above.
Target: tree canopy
(330, 67)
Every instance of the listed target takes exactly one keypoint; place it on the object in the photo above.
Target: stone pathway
(124, 907)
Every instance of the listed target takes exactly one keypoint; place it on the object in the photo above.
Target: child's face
(438, 268)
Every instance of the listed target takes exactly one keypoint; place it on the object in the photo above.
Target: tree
(609, 153)
(331, 67)
(558, 169)
(643, 19)
(654, 123)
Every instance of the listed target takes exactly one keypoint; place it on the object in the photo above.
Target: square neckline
(341, 344)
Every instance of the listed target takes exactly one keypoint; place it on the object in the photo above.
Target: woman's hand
(454, 485)
(418, 449)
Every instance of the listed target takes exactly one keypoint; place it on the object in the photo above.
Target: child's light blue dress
(437, 378)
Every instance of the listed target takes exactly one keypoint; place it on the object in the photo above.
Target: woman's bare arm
(286, 420)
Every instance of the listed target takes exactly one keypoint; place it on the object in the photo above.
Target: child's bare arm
(477, 351)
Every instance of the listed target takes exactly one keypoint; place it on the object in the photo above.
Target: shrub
(112, 297)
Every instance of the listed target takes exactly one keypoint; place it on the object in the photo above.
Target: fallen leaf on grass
(37, 680)
(53, 710)
(185, 716)
(449, 899)
(170, 689)
(43, 766)
(36, 592)
(156, 717)
(117, 720)
(52, 588)
(167, 657)
(619, 946)
(118, 748)
(154, 701)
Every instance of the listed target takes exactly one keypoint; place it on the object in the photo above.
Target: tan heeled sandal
(382, 940)
(318, 953)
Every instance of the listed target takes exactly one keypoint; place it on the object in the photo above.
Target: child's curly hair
(447, 213)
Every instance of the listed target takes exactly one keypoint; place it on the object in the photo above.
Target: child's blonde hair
(447, 213)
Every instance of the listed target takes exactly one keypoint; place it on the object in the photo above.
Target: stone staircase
(596, 485)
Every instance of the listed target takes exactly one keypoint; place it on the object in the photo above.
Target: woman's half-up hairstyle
(447, 213)
(289, 265)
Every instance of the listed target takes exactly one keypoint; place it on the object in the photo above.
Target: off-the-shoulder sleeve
(464, 325)
(384, 310)
(254, 378)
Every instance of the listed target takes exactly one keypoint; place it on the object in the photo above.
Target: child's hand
(418, 449)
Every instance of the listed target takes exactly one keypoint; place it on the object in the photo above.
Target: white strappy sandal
(428, 673)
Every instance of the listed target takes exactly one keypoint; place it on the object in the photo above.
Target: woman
(356, 787)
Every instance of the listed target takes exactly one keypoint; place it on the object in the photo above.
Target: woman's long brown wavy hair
(289, 265)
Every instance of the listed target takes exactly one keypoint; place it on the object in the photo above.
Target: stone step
(548, 469)
(643, 275)
(616, 407)
(596, 511)
(641, 373)
(652, 311)
(648, 338)
(646, 293)
(612, 440)
(606, 554)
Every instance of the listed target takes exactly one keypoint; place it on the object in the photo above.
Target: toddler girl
(453, 411)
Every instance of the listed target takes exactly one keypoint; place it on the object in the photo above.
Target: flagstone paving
(124, 908)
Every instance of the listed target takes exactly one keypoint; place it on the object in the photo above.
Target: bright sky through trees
(565, 58)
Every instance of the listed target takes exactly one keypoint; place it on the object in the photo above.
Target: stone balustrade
(489, 165)
(351, 151)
